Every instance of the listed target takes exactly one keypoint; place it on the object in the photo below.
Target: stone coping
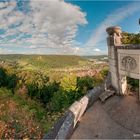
(129, 46)
(67, 123)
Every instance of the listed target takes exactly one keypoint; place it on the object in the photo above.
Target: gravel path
(117, 118)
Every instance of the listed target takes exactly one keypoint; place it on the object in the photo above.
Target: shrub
(47, 92)
(69, 83)
(59, 101)
(12, 82)
(2, 77)
(104, 72)
(133, 82)
(8, 80)
(84, 84)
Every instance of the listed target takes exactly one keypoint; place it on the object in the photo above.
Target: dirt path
(117, 118)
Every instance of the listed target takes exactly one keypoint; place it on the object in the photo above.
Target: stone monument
(123, 60)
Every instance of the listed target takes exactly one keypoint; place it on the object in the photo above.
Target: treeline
(130, 38)
(54, 95)
(44, 61)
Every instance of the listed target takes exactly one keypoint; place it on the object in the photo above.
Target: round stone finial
(114, 36)
(114, 29)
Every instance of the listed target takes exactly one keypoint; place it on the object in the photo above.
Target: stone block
(67, 127)
(75, 108)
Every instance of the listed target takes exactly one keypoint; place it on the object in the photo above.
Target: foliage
(2, 77)
(104, 72)
(130, 38)
(40, 95)
(18, 121)
(44, 61)
(69, 83)
(133, 82)
(84, 84)
(22, 117)
(7, 80)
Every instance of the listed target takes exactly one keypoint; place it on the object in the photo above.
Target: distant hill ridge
(49, 61)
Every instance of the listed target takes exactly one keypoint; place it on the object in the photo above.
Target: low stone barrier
(66, 124)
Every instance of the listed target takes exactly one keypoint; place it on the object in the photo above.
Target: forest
(32, 100)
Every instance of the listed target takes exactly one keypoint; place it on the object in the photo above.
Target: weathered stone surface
(84, 104)
(114, 38)
(124, 60)
(129, 46)
(75, 108)
(106, 94)
(54, 131)
(117, 118)
(67, 127)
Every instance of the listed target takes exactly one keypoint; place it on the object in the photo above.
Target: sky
(70, 27)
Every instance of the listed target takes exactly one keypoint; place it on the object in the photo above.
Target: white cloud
(97, 50)
(51, 24)
(112, 19)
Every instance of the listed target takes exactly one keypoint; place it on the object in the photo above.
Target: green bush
(130, 38)
(47, 92)
(104, 72)
(2, 77)
(59, 101)
(84, 84)
(133, 82)
(62, 100)
(69, 83)
(8, 80)
(12, 82)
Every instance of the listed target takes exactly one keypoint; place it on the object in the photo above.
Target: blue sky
(63, 27)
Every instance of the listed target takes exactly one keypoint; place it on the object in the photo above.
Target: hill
(43, 61)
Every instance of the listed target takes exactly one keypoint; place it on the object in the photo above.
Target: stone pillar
(114, 40)
(123, 84)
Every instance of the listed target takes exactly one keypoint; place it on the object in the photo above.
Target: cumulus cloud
(47, 24)
(97, 50)
(112, 19)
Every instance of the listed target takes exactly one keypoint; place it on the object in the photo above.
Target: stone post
(114, 40)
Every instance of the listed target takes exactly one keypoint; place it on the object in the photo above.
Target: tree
(130, 38)
(2, 77)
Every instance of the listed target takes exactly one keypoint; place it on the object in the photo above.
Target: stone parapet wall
(66, 124)
(124, 60)
(129, 46)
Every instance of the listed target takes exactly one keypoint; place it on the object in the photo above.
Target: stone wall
(66, 124)
(124, 60)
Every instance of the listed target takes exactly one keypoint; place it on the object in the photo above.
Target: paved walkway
(117, 118)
